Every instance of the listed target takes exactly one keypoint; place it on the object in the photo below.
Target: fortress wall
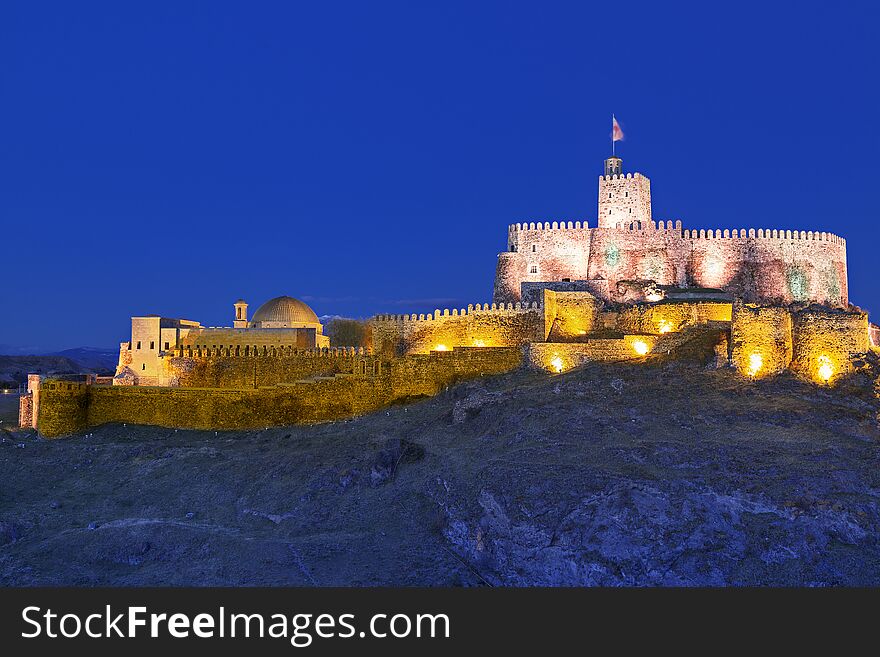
(188, 369)
(63, 407)
(760, 340)
(669, 316)
(556, 250)
(475, 326)
(570, 315)
(771, 265)
(647, 253)
(832, 338)
(74, 407)
(763, 265)
(26, 411)
(562, 356)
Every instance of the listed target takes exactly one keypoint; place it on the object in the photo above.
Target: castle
(631, 289)
(629, 256)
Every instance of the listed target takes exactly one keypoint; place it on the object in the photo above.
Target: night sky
(367, 157)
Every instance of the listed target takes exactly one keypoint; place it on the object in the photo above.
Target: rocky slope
(610, 475)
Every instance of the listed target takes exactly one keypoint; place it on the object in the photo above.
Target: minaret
(624, 199)
(241, 320)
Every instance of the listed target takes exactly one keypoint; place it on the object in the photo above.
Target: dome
(285, 310)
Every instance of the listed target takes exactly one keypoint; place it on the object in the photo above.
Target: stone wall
(26, 410)
(475, 326)
(670, 316)
(760, 340)
(824, 342)
(570, 315)
(196, 368)
(68, 408)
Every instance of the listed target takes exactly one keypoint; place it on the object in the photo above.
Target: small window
(152, 344)
(630, 210)
(144, 366)
(512, 248)
(609, 210)
(626, 194)
(609, 194)
(166, 346)
(566, 280)
(533, 269)
(139, 344)
(534, 248)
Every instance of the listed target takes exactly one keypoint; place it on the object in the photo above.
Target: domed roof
(286, 310)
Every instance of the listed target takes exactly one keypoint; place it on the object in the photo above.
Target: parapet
(499, 308)
(764, 233)
(548, 225)
(622, 176)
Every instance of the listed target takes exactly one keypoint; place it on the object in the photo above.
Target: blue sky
(367, 157)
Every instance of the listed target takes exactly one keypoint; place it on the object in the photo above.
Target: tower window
(609, 194)
(533, 269)
(144, 366)
(626, 194)
(166, 346)
(152, 344)
(534, 248)
(139, 344)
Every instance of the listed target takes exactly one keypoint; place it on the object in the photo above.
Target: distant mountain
(92, 359)
(14, 369)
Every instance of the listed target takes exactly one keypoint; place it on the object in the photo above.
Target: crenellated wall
(763, 265)
(548, 251)
(475, 326)
(252, 368)
(74, 407)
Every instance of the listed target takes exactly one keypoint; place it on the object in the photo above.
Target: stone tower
(623, 198)
(241, 318)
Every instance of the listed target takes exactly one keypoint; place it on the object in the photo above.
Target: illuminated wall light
(640, 347)
(557, 364)
(479, 343)
(653, 297)
(756, 362)
(826, 369)
(441, 347)
(664, 326)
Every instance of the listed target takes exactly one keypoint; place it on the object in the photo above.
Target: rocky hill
(668, 474)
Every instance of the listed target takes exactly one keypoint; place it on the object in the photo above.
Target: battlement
(256, 351)
(764, 233)
(497, 308)
(548, 225)
(623, 176)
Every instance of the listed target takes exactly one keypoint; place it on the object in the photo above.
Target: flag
(616, 132)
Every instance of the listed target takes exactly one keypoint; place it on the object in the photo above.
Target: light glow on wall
(640, 347)
(664, 326)
(557, 364)
(441, 347)
(756, 362)
(826, 368)
(479, 343)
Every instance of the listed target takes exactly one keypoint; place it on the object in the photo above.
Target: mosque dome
(282, 311)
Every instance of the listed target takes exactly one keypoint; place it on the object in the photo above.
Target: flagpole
(612, 135)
